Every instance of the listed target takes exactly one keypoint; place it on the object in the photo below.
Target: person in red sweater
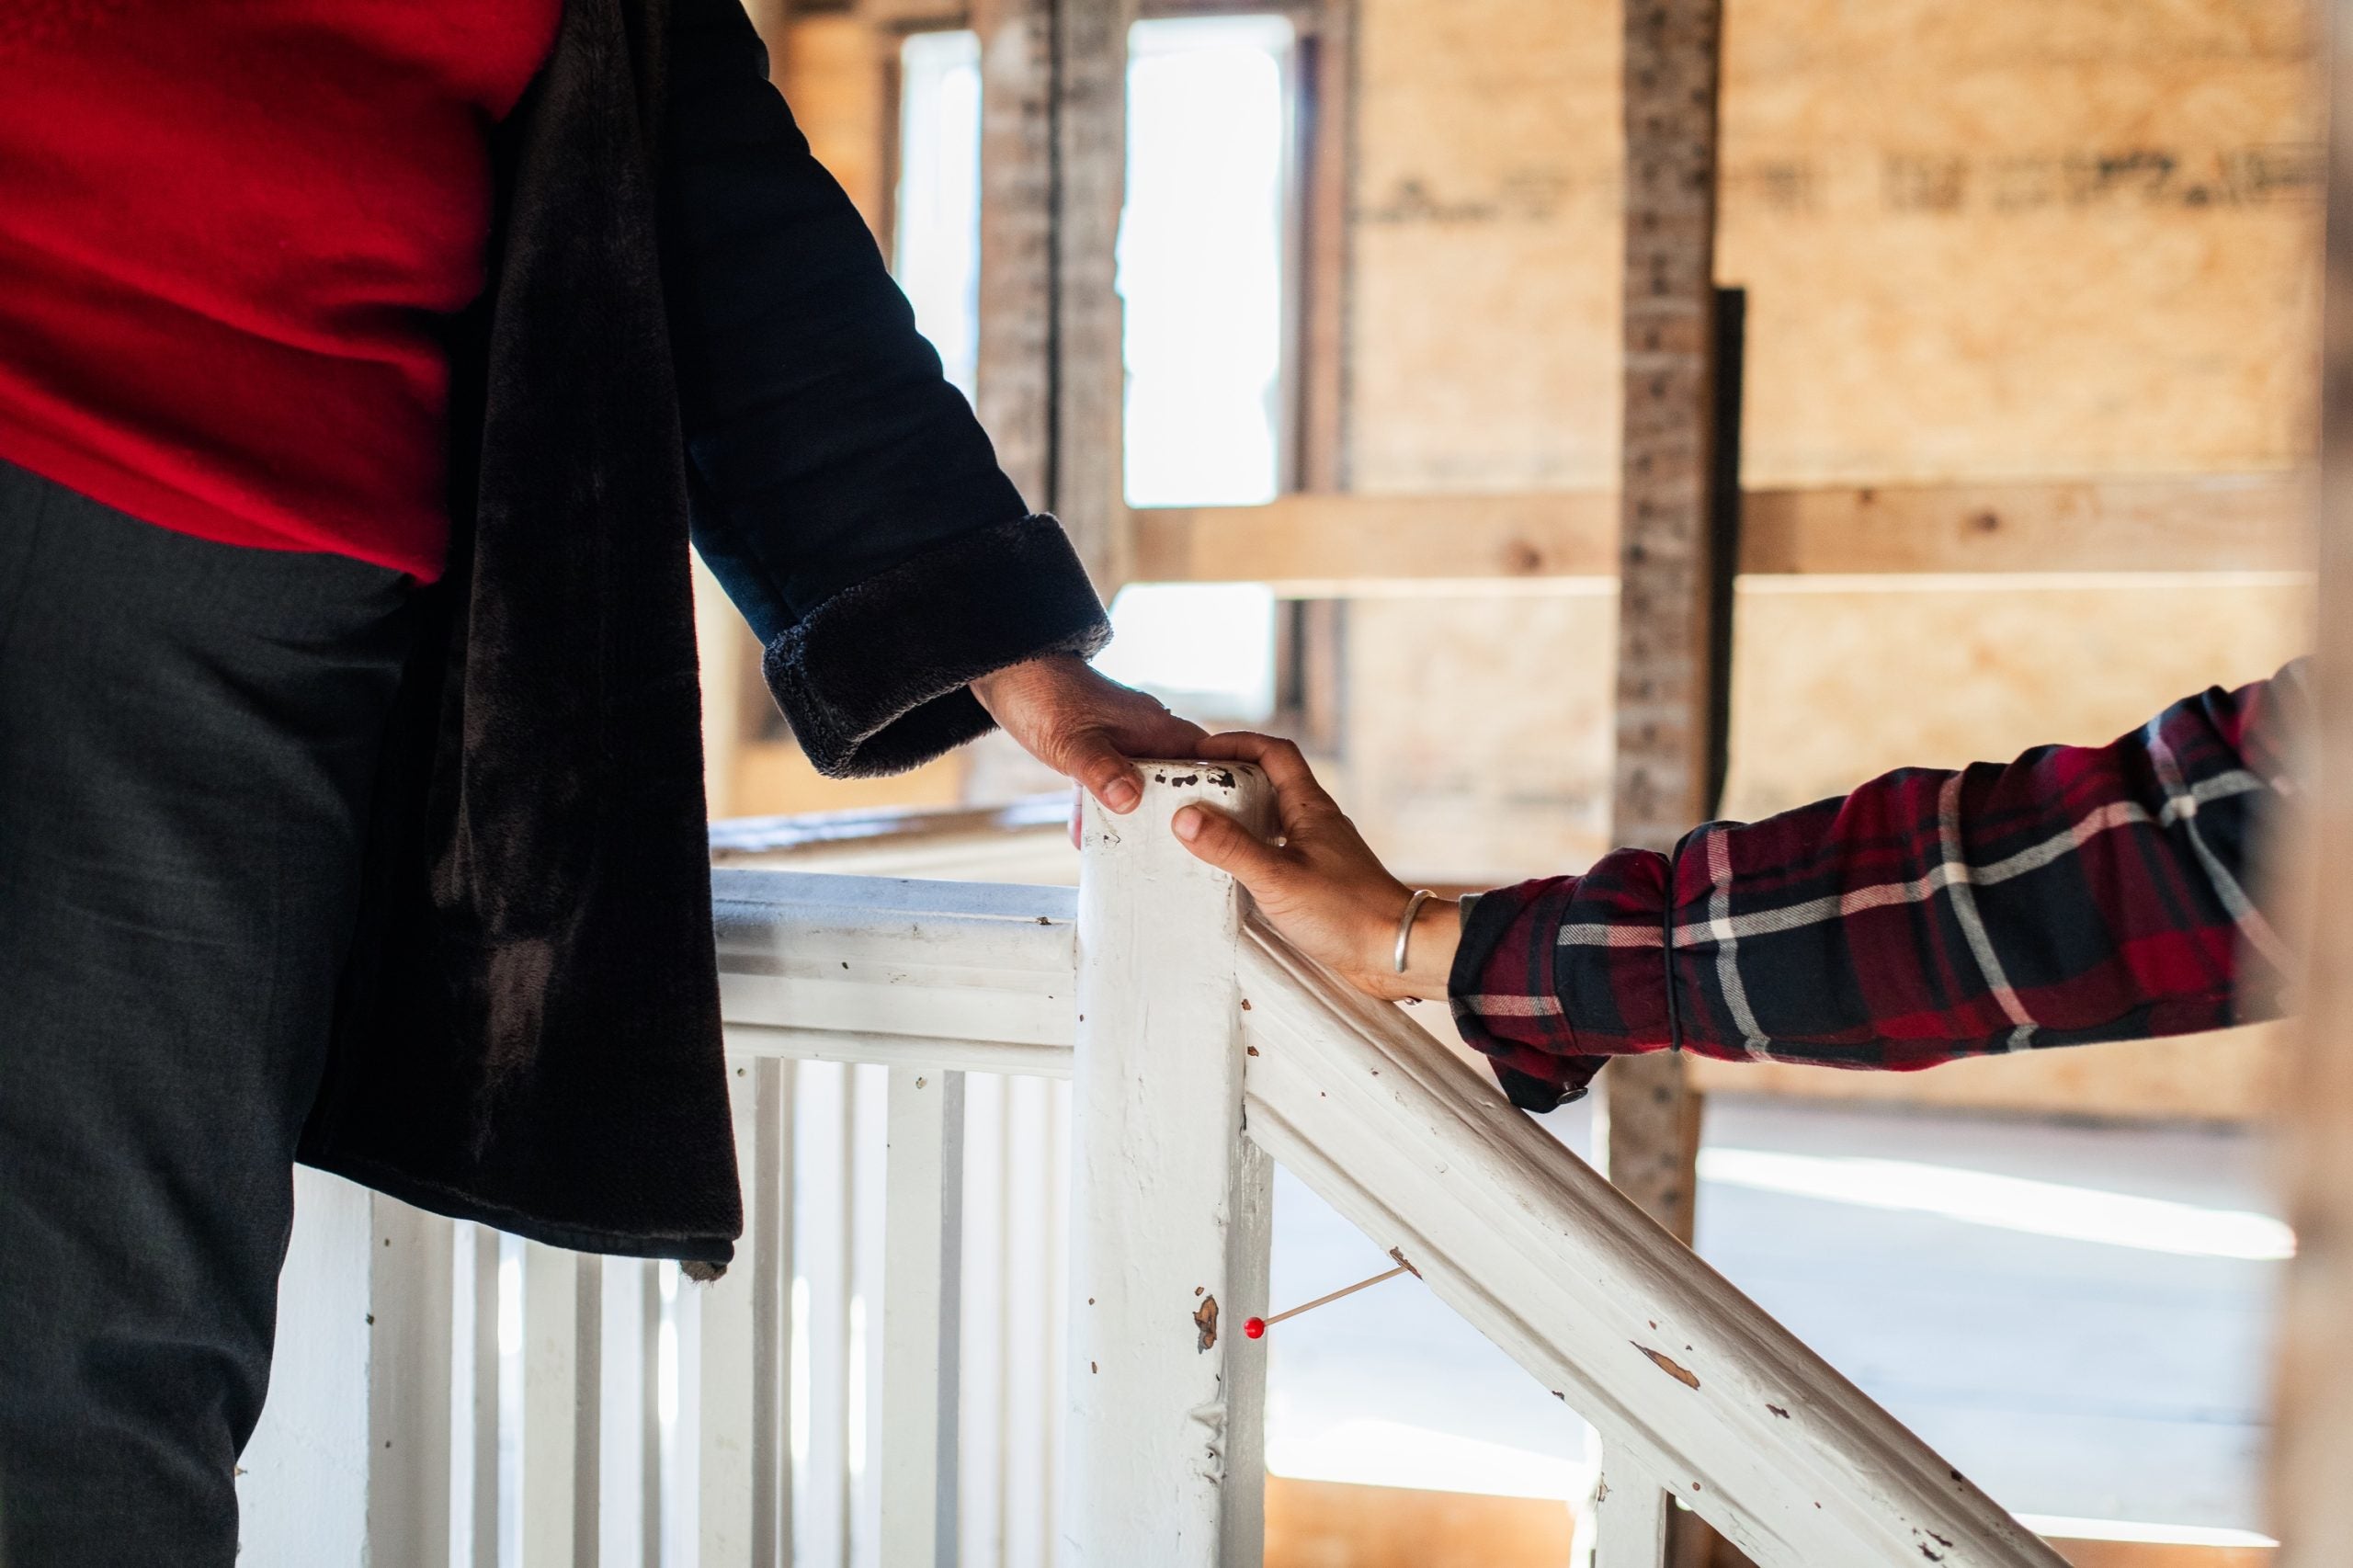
(362, 366)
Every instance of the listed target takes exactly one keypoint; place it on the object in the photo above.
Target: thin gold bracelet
(1405, 924)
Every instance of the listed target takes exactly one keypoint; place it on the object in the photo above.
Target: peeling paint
(1778, 1411)
(1205, 1324)
(1679, 1374)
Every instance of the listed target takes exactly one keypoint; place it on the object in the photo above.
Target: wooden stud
(1670, 587)
(1015, 389)
(1089, 373)
(1054, 160)
(1667, 634)
(1162, 1451)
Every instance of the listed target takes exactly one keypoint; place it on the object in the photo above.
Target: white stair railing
(992, 1383)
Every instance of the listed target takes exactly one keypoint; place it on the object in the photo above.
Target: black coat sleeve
(841, 489)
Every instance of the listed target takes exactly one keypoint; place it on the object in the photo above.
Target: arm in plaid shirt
(2079, 893)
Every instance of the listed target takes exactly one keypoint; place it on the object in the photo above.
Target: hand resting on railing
(1320, 883)
(2078, 893)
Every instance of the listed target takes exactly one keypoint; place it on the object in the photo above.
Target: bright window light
(1201, 257)
(1206, 649)
(1368, 1452)
(938, 226)
(1202, 270)
(2008, 1204)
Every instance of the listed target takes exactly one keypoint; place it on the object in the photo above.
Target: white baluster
(922, 1292)
(410, 1312)
(1629, 1517)
(562, 1337)
(1162, 1453)
(734, 1317)
(481, 1411)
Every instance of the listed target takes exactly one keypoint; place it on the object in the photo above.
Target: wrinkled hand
(1321, 885)
(1084, 725)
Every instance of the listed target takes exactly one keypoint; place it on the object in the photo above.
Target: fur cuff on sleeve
(873, 679)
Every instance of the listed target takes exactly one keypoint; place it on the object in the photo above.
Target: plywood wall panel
(1994, 240)
(1485, 235)
(1830, 689)
(1478, 728)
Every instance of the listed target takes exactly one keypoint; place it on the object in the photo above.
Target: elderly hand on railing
(1320, 883)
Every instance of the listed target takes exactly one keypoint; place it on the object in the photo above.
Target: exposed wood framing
(1090, 182)
(1015, 391)
(2311, 1507)
(1053, 167)
(1326, 96)
(1355, 543)
(1666, 625)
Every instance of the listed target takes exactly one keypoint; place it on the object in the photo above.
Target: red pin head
(1254, 1328)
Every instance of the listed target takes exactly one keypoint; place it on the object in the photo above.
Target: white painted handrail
(1004, 1384)
(1688, 1380)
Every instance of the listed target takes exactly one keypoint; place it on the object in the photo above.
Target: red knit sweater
(231, 235)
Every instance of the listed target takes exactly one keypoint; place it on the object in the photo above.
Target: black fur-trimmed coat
(687, 325)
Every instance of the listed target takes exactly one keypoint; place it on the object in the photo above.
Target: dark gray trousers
(187, 735)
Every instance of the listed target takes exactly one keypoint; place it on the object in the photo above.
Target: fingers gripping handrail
(1686, 1378)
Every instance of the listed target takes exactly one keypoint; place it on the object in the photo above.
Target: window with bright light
(939, 220)
(1201, 258)
(1204, 272)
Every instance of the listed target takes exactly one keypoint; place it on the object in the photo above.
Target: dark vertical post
(1668, 592)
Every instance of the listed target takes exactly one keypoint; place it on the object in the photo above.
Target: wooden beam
(2185, 523)
(1355, 543)
(1339, 540)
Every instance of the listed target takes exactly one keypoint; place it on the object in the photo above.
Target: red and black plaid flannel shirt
(2079, 893)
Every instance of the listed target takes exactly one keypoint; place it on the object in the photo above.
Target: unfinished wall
(2002, 239)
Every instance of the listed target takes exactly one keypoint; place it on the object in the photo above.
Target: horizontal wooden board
(2233, 1076)
(1343, 544)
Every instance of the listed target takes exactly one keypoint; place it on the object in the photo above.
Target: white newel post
(1164, 1451)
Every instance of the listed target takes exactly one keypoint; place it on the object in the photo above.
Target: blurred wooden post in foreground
(2313, 1506)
